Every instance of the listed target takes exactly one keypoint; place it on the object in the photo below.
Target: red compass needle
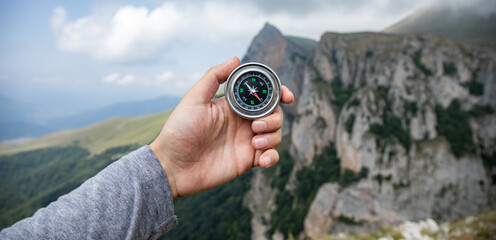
(253, 91)
(257, 96)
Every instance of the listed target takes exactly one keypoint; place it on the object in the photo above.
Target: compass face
(252, 91)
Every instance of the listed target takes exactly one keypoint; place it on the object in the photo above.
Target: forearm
(130, 199)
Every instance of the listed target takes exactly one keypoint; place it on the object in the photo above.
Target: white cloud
(130, 34)
(134, 34)
(111, 78)
(164, 77)
(59, 17)
(126, 80)
(115, 78)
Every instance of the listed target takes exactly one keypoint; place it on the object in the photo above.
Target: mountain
(16, 129)
(13, 110)
(471, 22)
(387, 128)
(17, 120)
(23, 120)
(122, 109)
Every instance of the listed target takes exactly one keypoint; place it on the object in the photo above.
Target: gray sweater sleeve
(130, 199)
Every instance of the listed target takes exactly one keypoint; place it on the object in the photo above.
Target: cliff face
(401, 84)
(411, 118)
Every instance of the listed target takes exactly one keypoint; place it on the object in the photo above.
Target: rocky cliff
(387, 128)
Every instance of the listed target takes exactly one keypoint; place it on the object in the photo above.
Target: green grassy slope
(33, 179)
(307, 45)
(464, 25)
(37, 172)
(99, 137)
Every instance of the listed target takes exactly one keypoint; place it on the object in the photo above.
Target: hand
(205, 144)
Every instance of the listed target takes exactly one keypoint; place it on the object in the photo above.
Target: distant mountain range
(20, 119)
(123, 109)
(17, 120)
(473, 23)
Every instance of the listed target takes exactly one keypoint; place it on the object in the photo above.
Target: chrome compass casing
(261, 74)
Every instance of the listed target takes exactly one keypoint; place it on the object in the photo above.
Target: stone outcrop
(320, 211)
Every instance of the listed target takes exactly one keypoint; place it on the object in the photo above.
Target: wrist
(167, 167)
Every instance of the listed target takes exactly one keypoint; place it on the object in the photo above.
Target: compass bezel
(236, 75)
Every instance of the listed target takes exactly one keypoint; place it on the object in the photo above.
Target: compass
(253, 90)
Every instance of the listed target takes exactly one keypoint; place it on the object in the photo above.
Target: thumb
(204, 90)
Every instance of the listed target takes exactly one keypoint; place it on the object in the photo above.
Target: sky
(75, 55)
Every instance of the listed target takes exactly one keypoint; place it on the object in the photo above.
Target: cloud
(134, 34)
(126, 80)
(131, 34)
(111, 78)
(164, 77)
(115, 78)
(59, 17)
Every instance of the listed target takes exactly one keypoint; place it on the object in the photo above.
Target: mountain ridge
(120, 109)
(446, 18)
(22, 120)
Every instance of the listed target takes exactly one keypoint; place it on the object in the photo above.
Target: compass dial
(253, 90)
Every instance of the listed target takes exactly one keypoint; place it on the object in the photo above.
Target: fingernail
(259, 126)
(267, 161)
(260, 142)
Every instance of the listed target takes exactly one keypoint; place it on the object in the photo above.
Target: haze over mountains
(471, 22)
(26, 120)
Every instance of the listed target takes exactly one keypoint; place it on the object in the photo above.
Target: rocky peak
(287, 56)
(264, 44)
